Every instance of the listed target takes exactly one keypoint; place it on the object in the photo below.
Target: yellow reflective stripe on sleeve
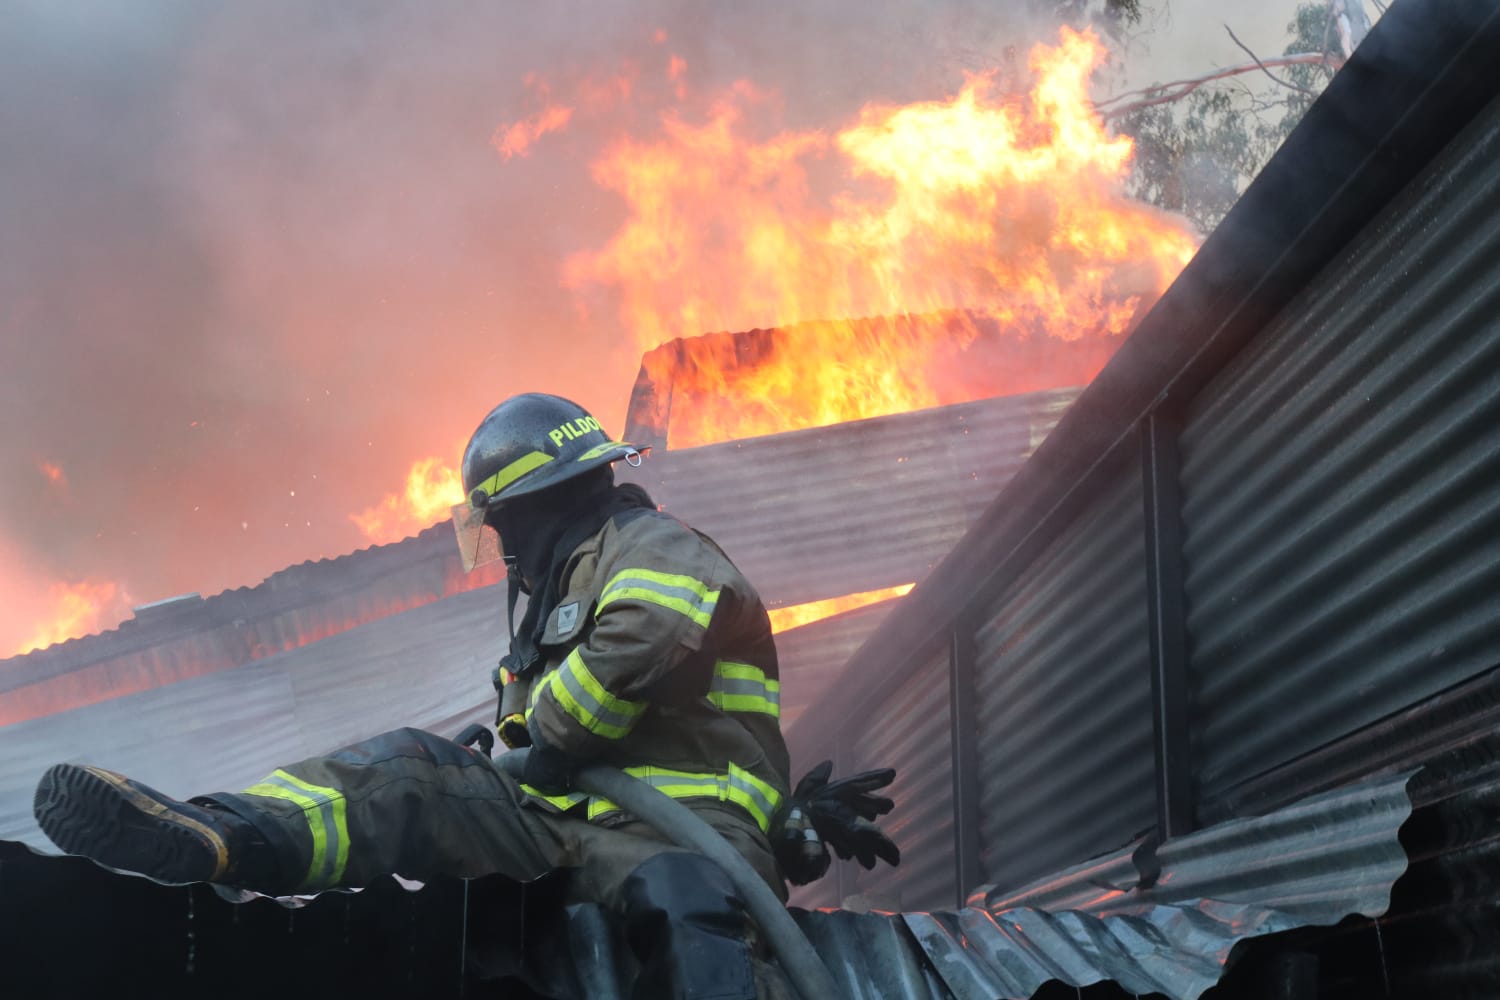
(515, 470)
(581, 695)
(325, 812)
(683, 594)
(531, 696)
(756, 797)
(740, 687)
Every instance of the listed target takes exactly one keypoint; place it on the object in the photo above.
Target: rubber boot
(126, 825)
(687, 925)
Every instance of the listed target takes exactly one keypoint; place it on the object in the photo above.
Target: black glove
(548, 769)
(840, 814)
(843, 812)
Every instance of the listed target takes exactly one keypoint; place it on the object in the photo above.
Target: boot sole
(103, 816)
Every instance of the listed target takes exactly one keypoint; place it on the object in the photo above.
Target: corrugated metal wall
(1062, 676)
(913, 735)
(1341, 484)
(811, 658)
(911, 731)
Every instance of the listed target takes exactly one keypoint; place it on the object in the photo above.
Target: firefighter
(641, 646)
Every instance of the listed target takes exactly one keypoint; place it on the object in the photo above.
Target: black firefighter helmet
(527, 444)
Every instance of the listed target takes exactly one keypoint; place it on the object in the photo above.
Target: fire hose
(801, 963)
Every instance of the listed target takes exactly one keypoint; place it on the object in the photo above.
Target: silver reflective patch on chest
(567, 617)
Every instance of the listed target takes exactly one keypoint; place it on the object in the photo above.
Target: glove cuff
(512, 730)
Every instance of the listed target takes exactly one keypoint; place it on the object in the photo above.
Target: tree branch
(1176, 90)
(1353, 24)
(1285, 83)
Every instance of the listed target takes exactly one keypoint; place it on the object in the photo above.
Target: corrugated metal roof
(1319, 859)
(194, 637)
(859, 506)
(1156, 941)
(1313, 863)
(1062, 687)
(428, 668)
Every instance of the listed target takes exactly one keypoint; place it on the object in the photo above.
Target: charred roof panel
(685, 386)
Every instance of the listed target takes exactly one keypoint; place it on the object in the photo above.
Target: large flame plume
(976, 230)
(996, 203)
(199, 399)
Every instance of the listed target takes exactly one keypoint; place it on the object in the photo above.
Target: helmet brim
(561, 470)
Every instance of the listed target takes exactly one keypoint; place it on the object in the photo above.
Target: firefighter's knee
(687, 924)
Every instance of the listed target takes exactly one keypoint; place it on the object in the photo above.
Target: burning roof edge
(1381, 121)
(272, 580)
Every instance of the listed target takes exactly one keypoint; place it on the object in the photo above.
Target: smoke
(256, 259)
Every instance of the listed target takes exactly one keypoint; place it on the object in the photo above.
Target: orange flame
(78, 609)
(432, 488)
(785, 619)
(1008, 207)
(516, 139)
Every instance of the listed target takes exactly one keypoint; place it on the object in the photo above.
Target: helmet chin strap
(514, 589)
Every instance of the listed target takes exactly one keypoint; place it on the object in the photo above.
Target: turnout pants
(414, 804)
